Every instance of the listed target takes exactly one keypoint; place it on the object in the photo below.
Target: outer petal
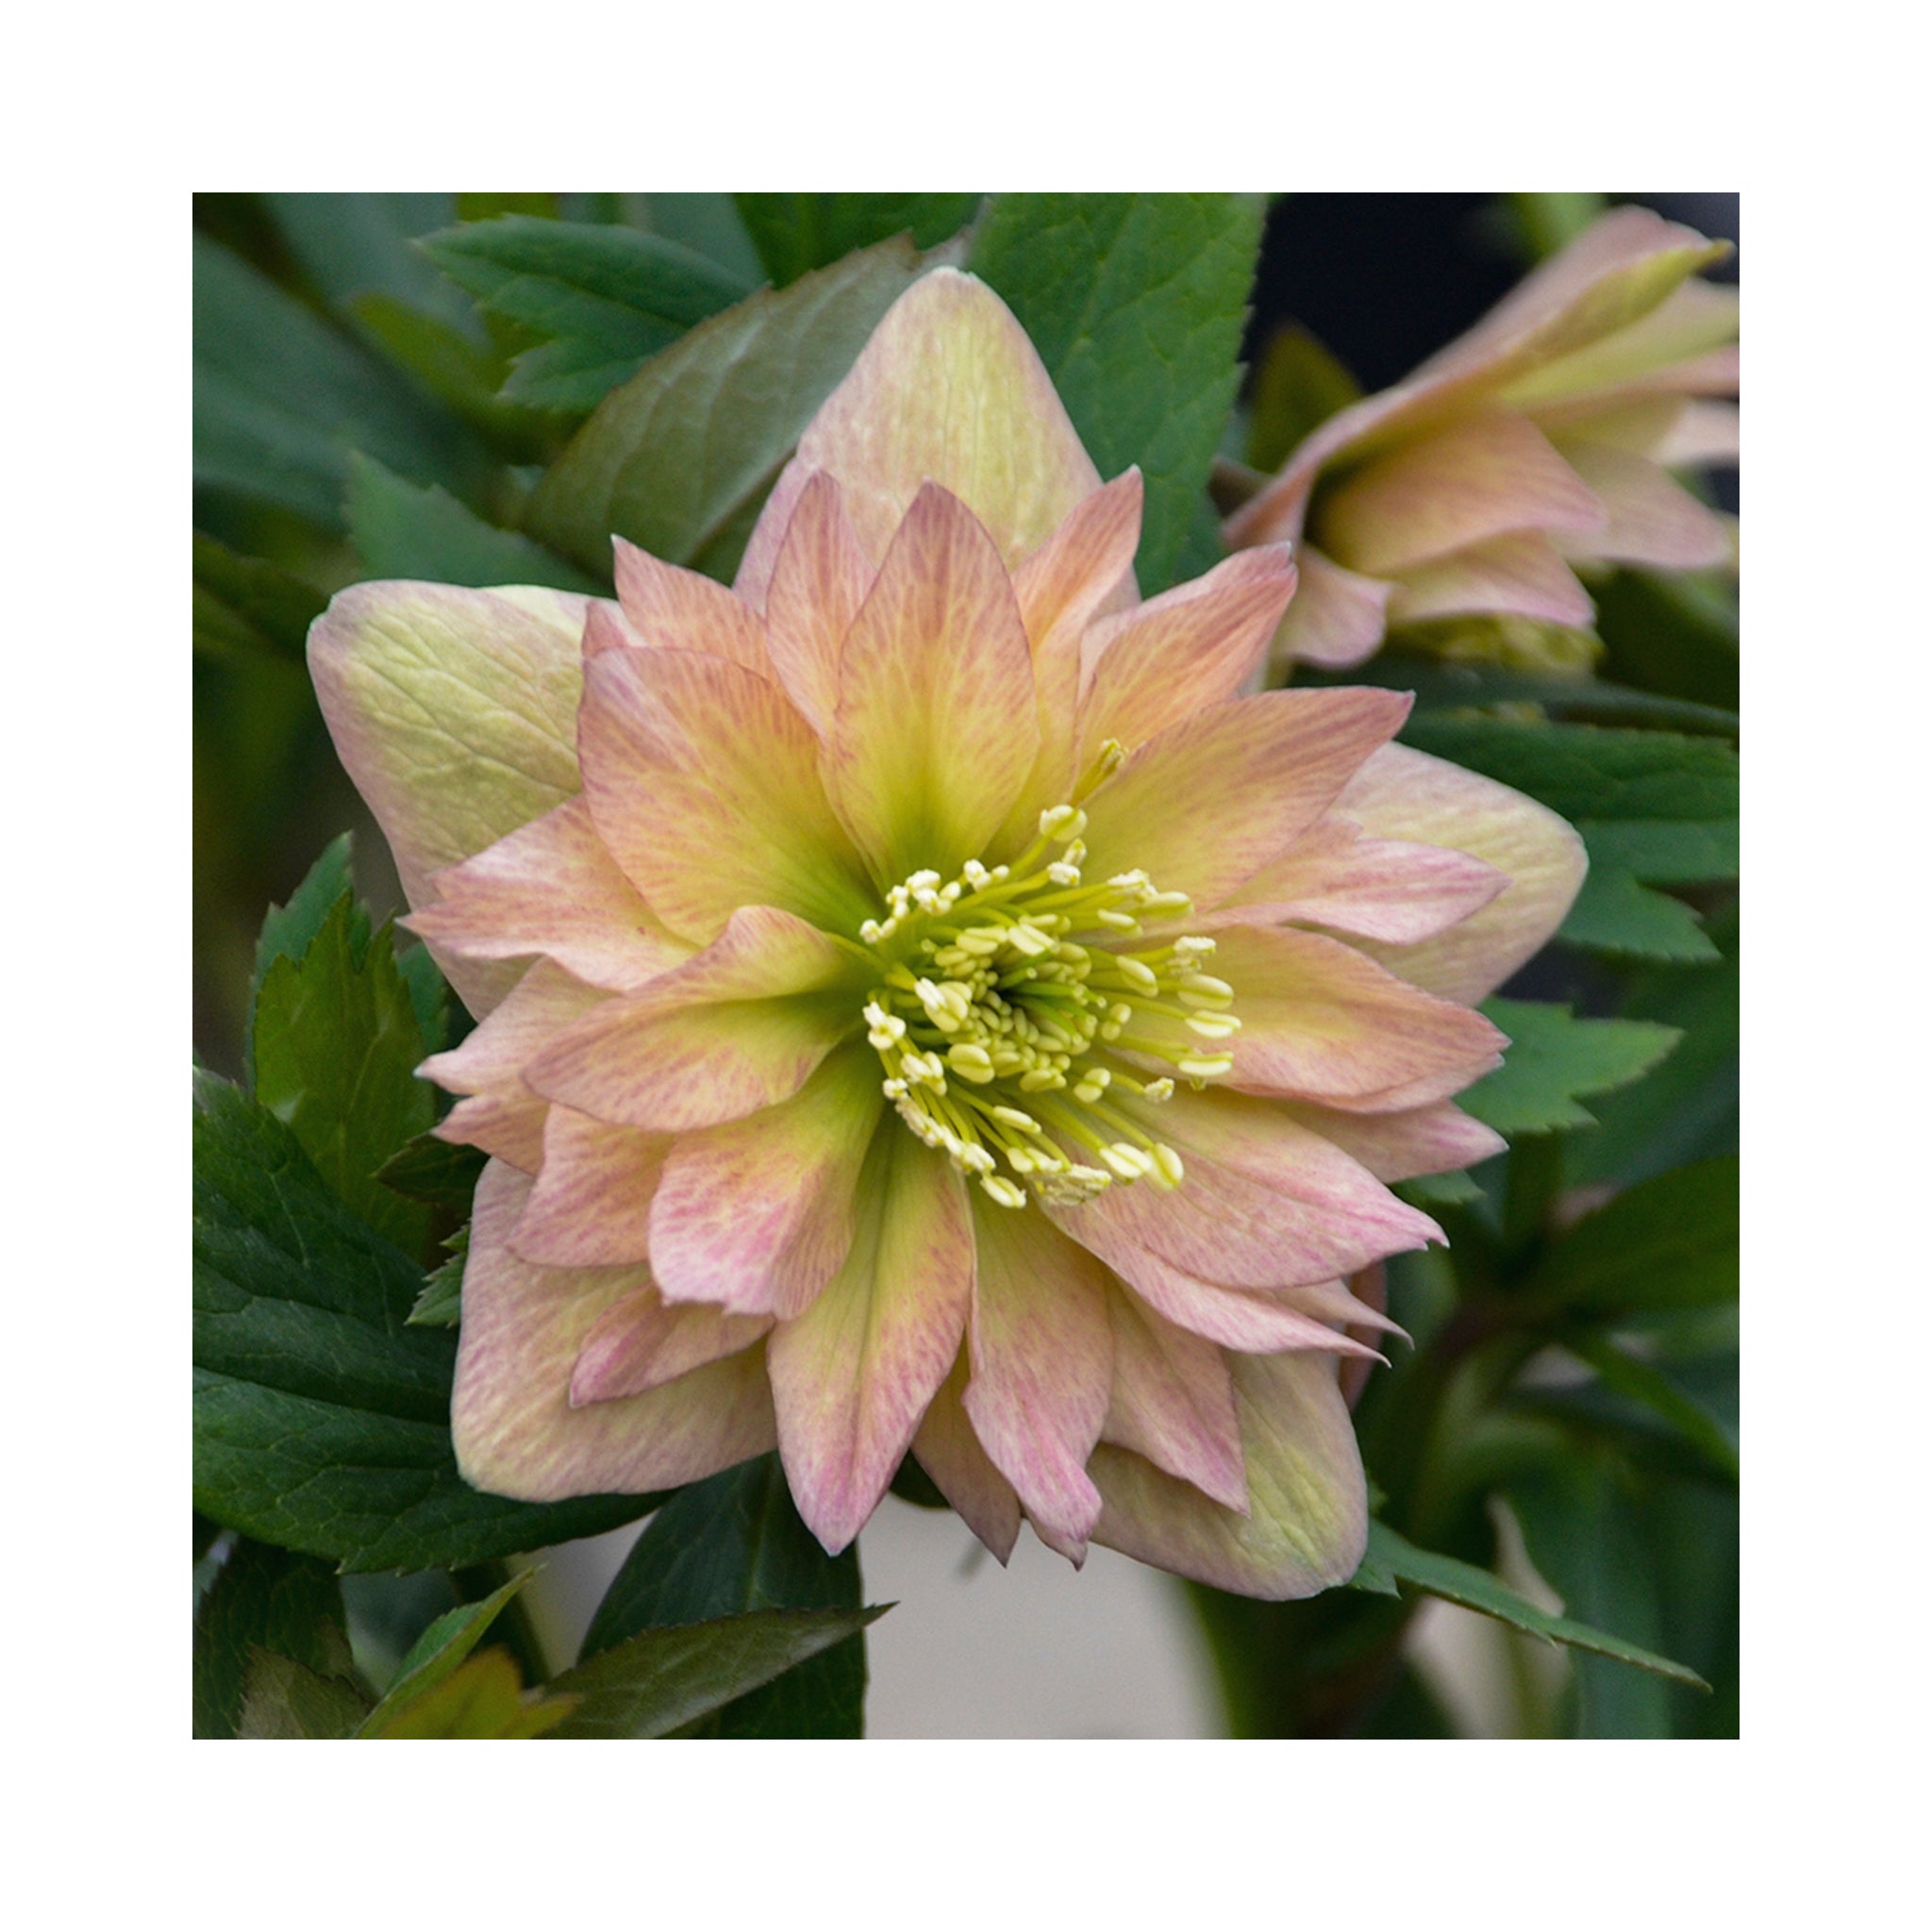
(1211, 800)
(950, 1452)
(936, 729)
(948, 390)
(643, 1341)
(516, 1434)
(551, 889)
(739, 1027)
(817, 586)
(1336, 619)
(1400, 793)
(1043, 1366)
(851, 1376)
(703, 782)
(1436, 1139)
(454, 713)
(1520, 573)
(592, 1205)
(757, 1215)
(1653, 518)
(1174, 1401)
(1307, 1525)
(678, 609)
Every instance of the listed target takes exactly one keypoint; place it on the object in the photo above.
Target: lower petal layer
(1172, 1401)
(643, 1341)
(516, 1433)
(1653, 518)
(951, 1455)
(592, 1203)
(1520, 573)
(1337, 617)
(1398, 1146)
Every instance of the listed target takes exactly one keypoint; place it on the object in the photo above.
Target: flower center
(1004, 996)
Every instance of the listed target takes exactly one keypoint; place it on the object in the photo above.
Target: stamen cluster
(1002, 994)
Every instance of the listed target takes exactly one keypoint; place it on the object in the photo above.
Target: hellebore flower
(1539, 440)
(925, 1005)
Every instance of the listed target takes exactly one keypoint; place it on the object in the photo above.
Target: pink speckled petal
(819, 581)
(643, 1341)
(592, 1205)
(675, 610)
(1172, 1401)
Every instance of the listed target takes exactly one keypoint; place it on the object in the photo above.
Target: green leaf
(603, 297)
(666, 1680)
(285, 1699)
(736, 1543)
(1136, 303)
(428, 995)
(1670, 1242)
(1394, 1558)
(1653, 1386)
(437, 1172)
(679, 460)
(289, 930)
(1553, 1060)
(320, 1418)
(483, 1697)
(1298, 386)
(796, 233)
(401, 530)
(441, 1648)
(1613, 913)
(709, 225)
(1675, 633)
(352, 245)
(336, 1044)
(440, 1304)
(267, 1598)
(245, 608)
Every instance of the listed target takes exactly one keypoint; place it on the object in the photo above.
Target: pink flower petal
(936, 730)
(1437, 1139)
(851, 1376)
(492, 1060)
(951, 1455)
(1522, 573)
(817, 585)
(643, 1341)
(1653, 518)
(516, 1433)
(1172, 1401)
(738, 1028)
(592, 1205)
(675, 610)
(509, 1126)
(1336, 619)
(757, 1215)
(703, 782)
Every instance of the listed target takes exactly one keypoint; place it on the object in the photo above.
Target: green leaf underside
(321, 1419)
(269, 1599)
(1392, 1560)
(796, 233)
(1135, 304)
(441, 1648)
(736, 1543)
(669, 1679)
(679, 460)
(1553, 1060)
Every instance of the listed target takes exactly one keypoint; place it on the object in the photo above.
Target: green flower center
(1006, 1000)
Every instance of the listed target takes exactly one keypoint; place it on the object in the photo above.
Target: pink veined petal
(1400, 793)
(643, 1341)
(1385, 889)
(757, 1215)
(592, 1205)
(1371, 1286)
(1172, 1401)
(516, 1433)
(818, 584)
(1196, 645)
(1336, 618)
(1041, 1353)
(851, 1376)
(455, 712)
(508, 1125)
(1653, 518)
(936, 729)
(703, 782)
(1687, 345)
(675, 610)
(1520, 574)
(1486, 476)
(951, 1455)
(1307, 1525)
(550, 890)
(1436, 1139)
(1211, 800)
(738, 1028)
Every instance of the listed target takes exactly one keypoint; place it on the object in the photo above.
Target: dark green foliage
(796, 233)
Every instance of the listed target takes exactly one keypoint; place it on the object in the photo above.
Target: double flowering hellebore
(925, 1005)
(1539, 440)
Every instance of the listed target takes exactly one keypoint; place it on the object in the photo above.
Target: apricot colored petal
(516, 1433)
(703, 782)
(455, 712)
(1336, 618)
(1211, 800)
(1400, 793)
(817, 585)
(592, 1205)
(492, 1058)
(1386, 889)
(1436, 1139)
(552, 891)
(1041, 1351)
(951, 1455)
(675, 610)
(936, 729)
(740, 1027)
(1306, 1523)
(1684, 345)
(643, 1341)
(1701, 435)
(1486, 476)
(851, 1376)
(509, 1125)
(1172, 1401)
(1652, 518)
(757, 1215)
(1522, 573)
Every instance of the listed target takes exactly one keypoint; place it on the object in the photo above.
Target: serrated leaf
(320, 1418)
(246, 607)
(667, 1680)
(1393, 1557)
(439, 1173)
(439, 1649)
(401, 530)
(440, 1304)
(1670, 1242)
(268, 1598)
(1136, 303)
(1440, 1189)
(680, 457)
(428, 995)
(736, 1542)
(289, 931)
(1554, 1058)
(336, 1045)
(285, 1699)
(796, 233)
(1613, 914)
(483, 1697)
